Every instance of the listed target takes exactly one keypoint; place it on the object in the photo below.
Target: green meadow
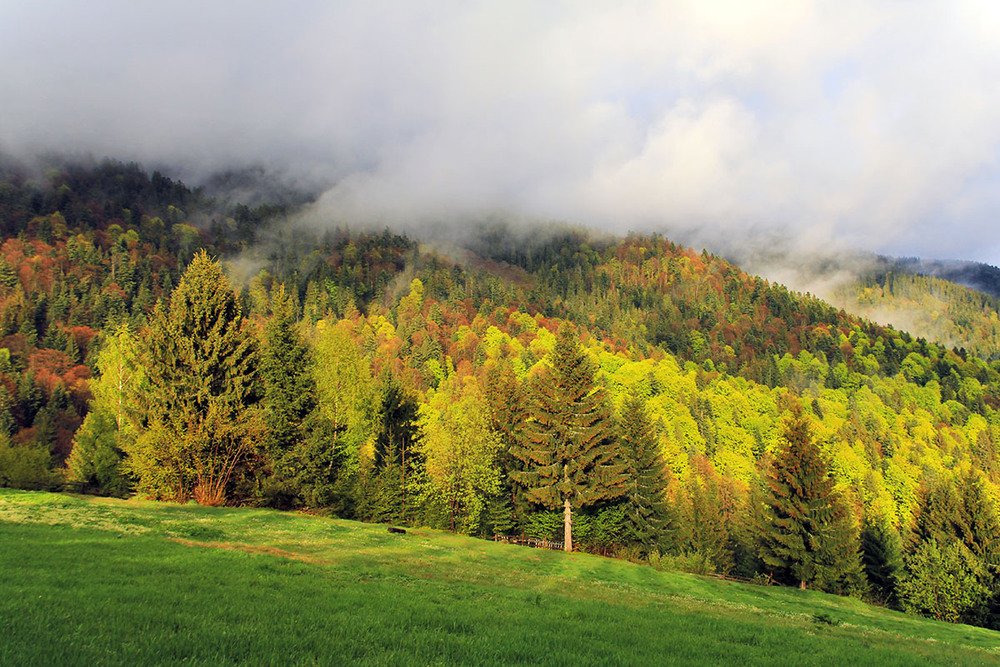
(100, 581)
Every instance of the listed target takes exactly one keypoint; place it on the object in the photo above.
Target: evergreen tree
(288, 401)
(938, 515)
(569, 455)
(646, 509)
(30, 398)
(804, 531)
(508, 407)
(960, 513)
(288, 387)
(96, 458)
(396, 455)
(980, 522)
(704, 529)
(309, 473)
(199, 410)
(982, 537)
(882, 559)
(7, 406)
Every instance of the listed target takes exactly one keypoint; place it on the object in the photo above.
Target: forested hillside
(630, 396)
(947, 312)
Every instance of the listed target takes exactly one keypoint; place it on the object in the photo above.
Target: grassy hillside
(101, 581)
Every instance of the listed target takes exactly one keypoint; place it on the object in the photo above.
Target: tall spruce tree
(982, 537)
(952, 515)
(882, 559)
(981, 523)
(938, 515)
(805, 532)
(289, 390)
(570, 459)
(508, 406)
(646, 508)
(704, 526)
(199, 411)
(396, 456)
(288, 403)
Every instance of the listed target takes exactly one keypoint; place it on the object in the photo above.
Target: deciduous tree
(112, 425)
(460, 450)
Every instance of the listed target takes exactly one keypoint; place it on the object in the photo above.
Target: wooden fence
(63, 487)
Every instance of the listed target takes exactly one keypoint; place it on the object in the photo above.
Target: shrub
(25, 466)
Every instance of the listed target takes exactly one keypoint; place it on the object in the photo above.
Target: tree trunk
(802, 585)
(567, 526)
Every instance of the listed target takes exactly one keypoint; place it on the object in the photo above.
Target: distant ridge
(975, 275)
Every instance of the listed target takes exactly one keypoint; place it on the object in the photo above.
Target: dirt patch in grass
(255, 549)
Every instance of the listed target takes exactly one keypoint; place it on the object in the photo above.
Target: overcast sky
(872, 125)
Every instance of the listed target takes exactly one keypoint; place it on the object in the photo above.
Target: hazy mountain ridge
(934, 308)
(974, 275)
(948, 302)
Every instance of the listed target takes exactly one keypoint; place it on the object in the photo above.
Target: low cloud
(865, 125)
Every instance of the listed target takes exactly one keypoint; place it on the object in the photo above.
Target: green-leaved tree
(112, 425)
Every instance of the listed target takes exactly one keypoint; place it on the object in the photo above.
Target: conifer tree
(981, 523)
(199, 411)
(508, 406)
(805, 531)
(569, 455)
(396, 455)
(705, 530)
(982, 537)
(938, 515)
(289, 390)
(882, 559)
(288, 403)
(958, 514)
(647, 511)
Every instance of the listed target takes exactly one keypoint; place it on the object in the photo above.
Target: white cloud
(868, 124)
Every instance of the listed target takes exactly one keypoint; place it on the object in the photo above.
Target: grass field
(100, 581)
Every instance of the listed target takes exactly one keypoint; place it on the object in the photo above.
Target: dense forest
(624, 396)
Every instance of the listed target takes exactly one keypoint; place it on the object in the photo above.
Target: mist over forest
(722, 126)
